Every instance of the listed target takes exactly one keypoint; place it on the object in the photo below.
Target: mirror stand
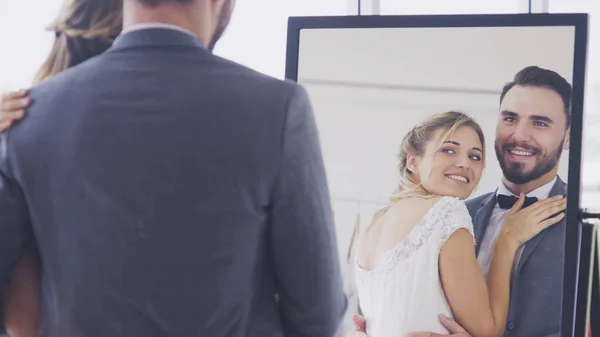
(588, 294)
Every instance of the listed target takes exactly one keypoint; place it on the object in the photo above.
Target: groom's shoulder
(560, 187)
(68, 79)
(240, 74)
(250, 88)
(476, 202)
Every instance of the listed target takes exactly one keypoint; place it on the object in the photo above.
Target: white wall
(469, 58)
(25, 42)
(407, 7)
(257, 33)
(591, 161)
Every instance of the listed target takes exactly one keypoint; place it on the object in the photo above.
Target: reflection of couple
(416, 259)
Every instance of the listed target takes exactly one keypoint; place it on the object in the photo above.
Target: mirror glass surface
(370, 87)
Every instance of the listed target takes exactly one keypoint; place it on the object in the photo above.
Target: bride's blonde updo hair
(83, 29)
(415, 142)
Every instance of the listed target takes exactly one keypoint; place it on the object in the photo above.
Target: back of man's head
(207, 19)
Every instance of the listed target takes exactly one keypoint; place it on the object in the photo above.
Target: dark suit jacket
(171, 193)
(536, 288)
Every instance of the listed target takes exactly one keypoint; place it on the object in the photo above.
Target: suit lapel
(559, 188)
(481, 220)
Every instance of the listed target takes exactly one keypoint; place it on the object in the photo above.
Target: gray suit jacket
(536, 288)
(172, 193)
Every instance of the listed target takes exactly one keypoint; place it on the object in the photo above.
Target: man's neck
(186, 17)
(526, 188)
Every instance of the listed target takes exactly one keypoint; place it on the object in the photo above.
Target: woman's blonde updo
(415, 142)
(84, 29)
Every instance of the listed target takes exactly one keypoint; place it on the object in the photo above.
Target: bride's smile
(452, 166)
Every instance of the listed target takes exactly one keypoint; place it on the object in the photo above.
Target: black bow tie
(508, 201)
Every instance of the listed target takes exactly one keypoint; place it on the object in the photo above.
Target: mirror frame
(578, 21)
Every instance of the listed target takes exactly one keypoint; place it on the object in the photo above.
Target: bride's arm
(481, 309)
(22, 297)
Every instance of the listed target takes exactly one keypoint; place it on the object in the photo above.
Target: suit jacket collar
(481, 219)
(156, 37)
(559, 188)
(140, 26)
(541, 192)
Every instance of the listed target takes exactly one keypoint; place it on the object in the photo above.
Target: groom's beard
(516, 173)
(223, 22)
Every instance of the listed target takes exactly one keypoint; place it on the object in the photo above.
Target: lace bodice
(403, 293)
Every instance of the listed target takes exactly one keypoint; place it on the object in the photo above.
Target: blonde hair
(415, 142)
(84, 29)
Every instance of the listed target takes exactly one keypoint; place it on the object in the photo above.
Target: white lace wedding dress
(403, 293)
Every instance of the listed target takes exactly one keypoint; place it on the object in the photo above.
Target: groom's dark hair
(537, 77)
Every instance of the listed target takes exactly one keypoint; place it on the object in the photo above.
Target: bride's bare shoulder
(372, 228)
(373, 223)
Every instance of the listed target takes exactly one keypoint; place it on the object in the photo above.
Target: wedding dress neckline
(404, 247)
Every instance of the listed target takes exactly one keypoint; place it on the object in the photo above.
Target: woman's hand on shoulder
(12, 107)
(521, 225)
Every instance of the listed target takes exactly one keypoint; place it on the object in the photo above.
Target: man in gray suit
(531, 134)
(172, 192)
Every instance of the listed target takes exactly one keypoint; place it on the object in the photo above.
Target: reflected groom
(531, 134)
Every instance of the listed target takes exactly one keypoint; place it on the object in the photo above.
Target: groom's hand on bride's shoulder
(360, 327)
(455, 329)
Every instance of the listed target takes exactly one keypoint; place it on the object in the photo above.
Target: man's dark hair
(537, 77)
(154, 3)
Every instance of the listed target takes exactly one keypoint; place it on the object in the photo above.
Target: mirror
(371, 80)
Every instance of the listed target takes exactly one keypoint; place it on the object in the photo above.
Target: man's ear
(217, 5)
(567, 142)
(221, 3)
